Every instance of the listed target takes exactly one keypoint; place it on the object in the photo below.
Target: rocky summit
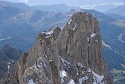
(72, 55)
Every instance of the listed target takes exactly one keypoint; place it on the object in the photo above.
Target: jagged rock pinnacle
(69, 56)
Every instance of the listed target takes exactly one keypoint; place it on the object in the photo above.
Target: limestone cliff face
(69, 56)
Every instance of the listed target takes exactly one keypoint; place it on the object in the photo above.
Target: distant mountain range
(103, 8)
(26, 25)
(54, 8)
(120, 10)
(19, 29)
(15, 5)
(51, 8)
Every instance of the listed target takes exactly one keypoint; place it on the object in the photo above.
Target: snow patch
(62, 75)
(47, 36)
(49, 32)
(97, 78)
(80, 65)
(93, 35)
(75, 27)
(70, 21)
(89, 70)
(50, 60)
(8, 66)
(89, 45)
(83, 79)
(88, 39)
(66, 64)
(82, 72)
(71, 82)
(31, 81)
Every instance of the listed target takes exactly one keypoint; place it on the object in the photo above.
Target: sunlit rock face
(72, 55)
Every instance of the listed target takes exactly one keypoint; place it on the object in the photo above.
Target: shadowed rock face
(11, 53)
(69, 56)
(8, 57)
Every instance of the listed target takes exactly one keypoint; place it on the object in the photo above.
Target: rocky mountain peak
(69, 56)
(82, 33)
(80, 19)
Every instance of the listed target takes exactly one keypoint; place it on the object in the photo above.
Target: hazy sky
(70, 2)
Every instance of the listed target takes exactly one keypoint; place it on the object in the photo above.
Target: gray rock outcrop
(69, 56)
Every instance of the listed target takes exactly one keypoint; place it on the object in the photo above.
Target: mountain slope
(25, 24)
(11, 53)
(20, 6)
(120, 10)
(8, 57)
(54, 8)
(103, 8)
(8, 12)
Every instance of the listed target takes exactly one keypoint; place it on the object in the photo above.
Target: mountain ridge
(118, 10)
